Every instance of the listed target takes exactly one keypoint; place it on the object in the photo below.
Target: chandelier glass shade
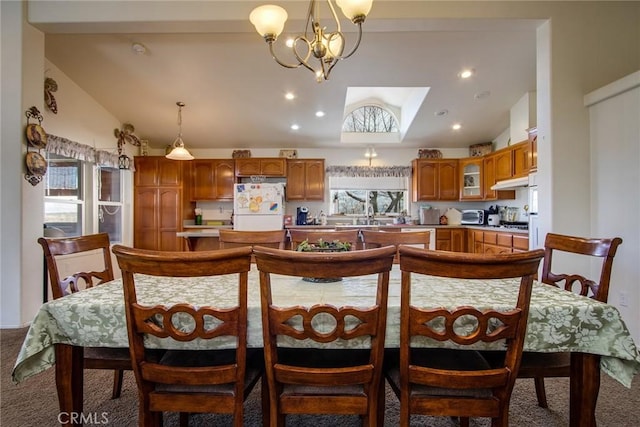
(316, 42)
(178, 152)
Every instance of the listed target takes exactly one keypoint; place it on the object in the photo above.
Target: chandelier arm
(275, 58)
(355, 47)
(335, 16)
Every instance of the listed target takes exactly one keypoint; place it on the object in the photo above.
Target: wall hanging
(50, 86)
(36, 140)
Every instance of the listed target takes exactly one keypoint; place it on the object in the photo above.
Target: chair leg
(464, 421)
(266, 409)
(117, 383)
(540, 392)
(184, 419)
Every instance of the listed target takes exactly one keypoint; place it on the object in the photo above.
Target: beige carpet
(34, 402)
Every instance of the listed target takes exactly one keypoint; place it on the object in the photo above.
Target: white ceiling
(234, 91)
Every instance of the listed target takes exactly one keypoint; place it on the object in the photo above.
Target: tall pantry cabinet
(159, 203)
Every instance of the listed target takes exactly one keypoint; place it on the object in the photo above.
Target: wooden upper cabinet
(213, 179)
(521, 159)
(503, 164)
(154, 171)
(435, 179)
(267, 166)
(489, 179)
(305, 179)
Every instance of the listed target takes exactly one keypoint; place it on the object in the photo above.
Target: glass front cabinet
(471, 179)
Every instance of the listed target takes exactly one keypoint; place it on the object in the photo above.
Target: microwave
(474, 216)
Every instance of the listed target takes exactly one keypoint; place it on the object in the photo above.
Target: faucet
(370, 215)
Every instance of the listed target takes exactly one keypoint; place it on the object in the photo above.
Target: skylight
(380, 114)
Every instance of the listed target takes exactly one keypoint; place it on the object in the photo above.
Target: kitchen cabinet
(471, 178)
(451, 239)
(533, 149)
(521, 159)
(212, 179)
(489, 179)
(435, 179)
(503, 164)
(305, 179)
(267, 166)
(158, 203)
(497, 242)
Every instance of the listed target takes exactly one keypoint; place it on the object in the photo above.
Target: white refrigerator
(258, 206)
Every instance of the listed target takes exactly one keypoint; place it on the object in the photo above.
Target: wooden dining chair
(186, 381)
(321, 378)
(297, 236)
(237, 238)
(541, 365)
(62, 255)
(459, 382)
(376, 239)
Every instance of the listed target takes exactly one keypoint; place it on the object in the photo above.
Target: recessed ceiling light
(456, 126)
(482, 95)
(465, 74)
(289, 96)
(319, 113)
(441, 113)
(139, 48)
(295, 127)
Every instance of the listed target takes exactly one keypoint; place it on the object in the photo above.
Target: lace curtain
(368, 171)
(75, 150)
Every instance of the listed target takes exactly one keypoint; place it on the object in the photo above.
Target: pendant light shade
(179, 152)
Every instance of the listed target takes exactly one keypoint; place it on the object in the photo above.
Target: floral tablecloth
(558, 320)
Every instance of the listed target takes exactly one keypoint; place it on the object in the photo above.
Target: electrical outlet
(624, 299)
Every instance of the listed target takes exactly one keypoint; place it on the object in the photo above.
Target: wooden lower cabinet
(497, 242)
(451, 239)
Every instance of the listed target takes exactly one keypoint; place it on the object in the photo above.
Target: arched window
(370, 119)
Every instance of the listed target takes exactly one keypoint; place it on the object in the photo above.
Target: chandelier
(178, 152)
(325, 46)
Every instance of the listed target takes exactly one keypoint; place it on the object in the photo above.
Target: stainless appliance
(258, 206)
(493, 220)
(429, 215)
(474, 216)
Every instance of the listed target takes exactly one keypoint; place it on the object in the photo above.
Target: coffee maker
(301, 215)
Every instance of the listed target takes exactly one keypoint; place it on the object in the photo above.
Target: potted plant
(323, 246)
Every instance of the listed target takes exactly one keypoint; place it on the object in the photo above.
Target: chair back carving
(298, 236)
(600, 248)
(170, 384)
(463, 326)
(376, 239)
(55, 248)
(300, 381)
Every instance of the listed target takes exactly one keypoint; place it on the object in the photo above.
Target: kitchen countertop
(470, 226)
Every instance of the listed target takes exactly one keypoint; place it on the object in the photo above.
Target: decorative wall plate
(36, 136)
(36, 163)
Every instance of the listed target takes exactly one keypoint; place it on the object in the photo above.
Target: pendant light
(179, 152)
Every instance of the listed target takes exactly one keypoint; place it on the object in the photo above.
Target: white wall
(614, 112)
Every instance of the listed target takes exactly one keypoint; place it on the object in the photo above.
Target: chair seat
(116, 358)
(535, 364)
(439, 358)
(203, 358)
(551, 363)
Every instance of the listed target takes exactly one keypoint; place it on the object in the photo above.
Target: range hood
(511, 184)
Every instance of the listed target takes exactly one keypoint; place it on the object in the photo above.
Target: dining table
(559, 321)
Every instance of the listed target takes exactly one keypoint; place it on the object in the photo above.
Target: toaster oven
(474, 216)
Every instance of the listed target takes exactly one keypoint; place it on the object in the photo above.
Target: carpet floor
(34, 402)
